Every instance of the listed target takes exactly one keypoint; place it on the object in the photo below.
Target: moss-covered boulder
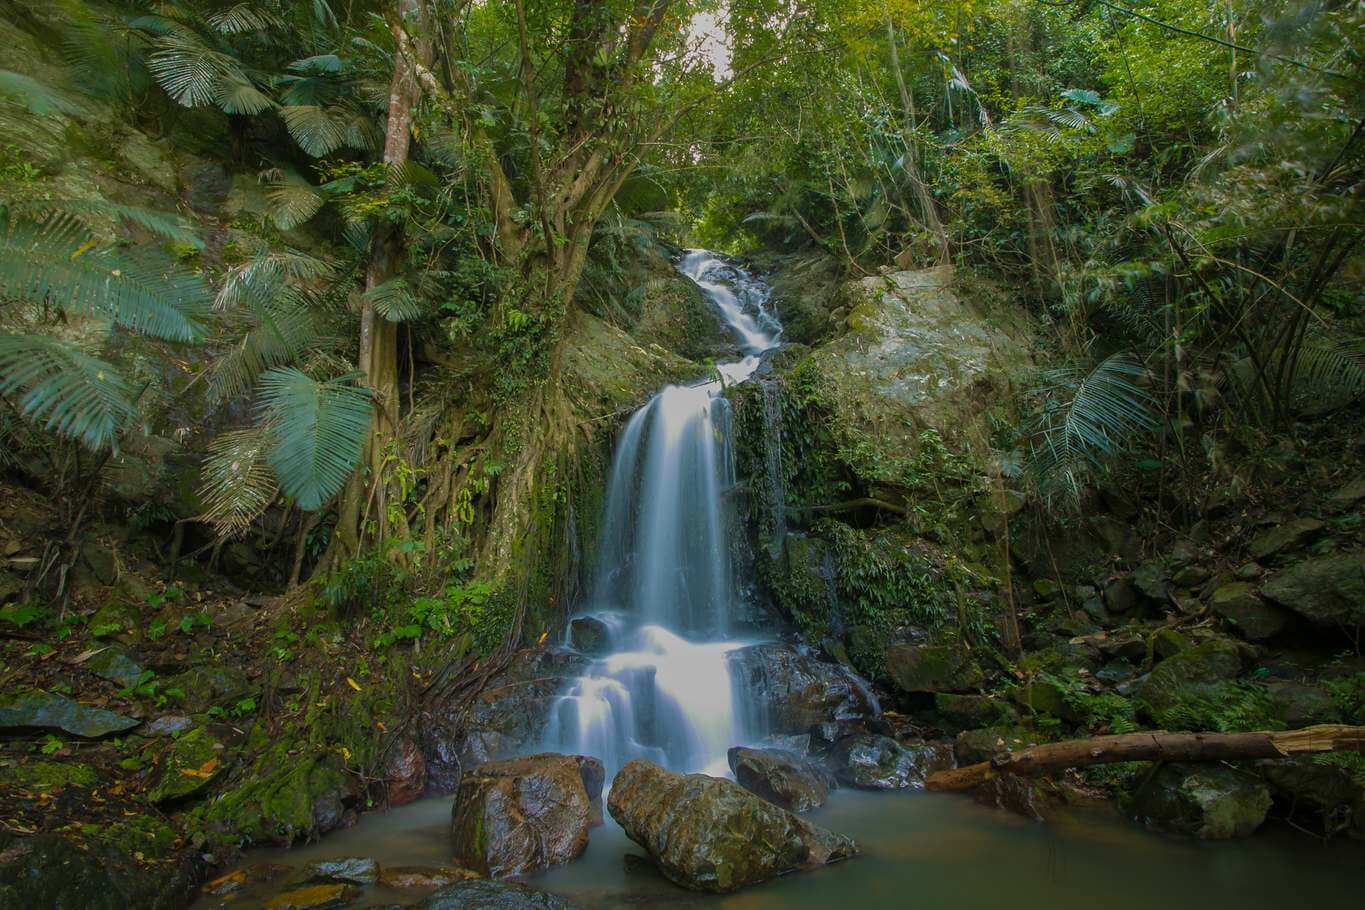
(709, 834)
(917, 669)
(1245, 611)
(289, 790)
(188, 766)
(208, 685)
(1208, 801)
(524, 815)
(1188, 675)
(968, 711)
(1328, 591)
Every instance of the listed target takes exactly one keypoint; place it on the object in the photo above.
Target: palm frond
(241, 97)
(394, 300)
(280, 330)
(58, 261)
(314, 128)
(237, 483)
(37, 97)
(67, 391)
(292, 204)
(174, 228)
(1329, 373)
(190, 71)
(316, 432)
(242, 18)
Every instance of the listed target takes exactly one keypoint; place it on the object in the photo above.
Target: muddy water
(922, 850)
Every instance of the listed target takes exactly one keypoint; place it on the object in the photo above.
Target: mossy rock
(190, 764)
(208, 685)
(1256, 620)
(968, 711)
(1189, 674)
(973, 746)
(1328, 592)
(284, 796)
(1042, 697)
(1208, 801)
(46, 776)
(926, 669)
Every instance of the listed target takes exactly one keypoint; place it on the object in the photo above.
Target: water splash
(664, 692)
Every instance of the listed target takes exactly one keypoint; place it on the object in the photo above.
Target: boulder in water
(526, 814)
(781, 777)
(798, 689)
(589, 635)
(709, 834)
(872, 762)
(489, 895)
(405, 772)
(1211, 802)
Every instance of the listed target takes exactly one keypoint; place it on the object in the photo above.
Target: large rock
(1328, 592)
(1187, 675)
(48, 711)
(872, 762)
(925, 669)
(1208, 801)
(189, 764)
(405, 772)
(506, 716)
(797, 689)
(525, 814)
(972, 746)
(1291, 535)
(47, 871)
(710, 834)
(781, 777)
(488, 895)
(1307, 787)
(1238, 603)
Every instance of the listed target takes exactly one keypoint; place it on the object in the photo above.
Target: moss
(190, 764)
(145, 837)
(44, 776)
(281, 798)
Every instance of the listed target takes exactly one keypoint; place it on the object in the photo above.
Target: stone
(589, 635)
(1041, 697)
(872, 762)
(404, 877)
(1121, 595)
(800, 690)
(1046, 588)
(1020, 795)
(1168, 642)
(1330, 792)
(967, 711)
(1188, 674)
(48, 872)
(189, 765)
(1095, 609)
(1151, 579)
(237, 879)
(481, 894)
(36, 709)
(1208, 801)
(1349, 494)
(168, 725)
(1328, 591)
(1256, 620)
(972, 746)
(1300, 705)
(1249, 572)
(926, 669)
(709, 834)
(405, 772)
(116, 665)
(209, 685)
(1292, 535)
(522, 815)
(350, 870)
(824, 735)
(313, 897)
(783, 778)
(1191, 576)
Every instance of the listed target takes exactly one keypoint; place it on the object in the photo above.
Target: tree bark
(1153, 746)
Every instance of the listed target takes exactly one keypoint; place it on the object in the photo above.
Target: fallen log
(1157, 745)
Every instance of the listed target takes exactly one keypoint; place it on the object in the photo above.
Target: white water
(666, 586)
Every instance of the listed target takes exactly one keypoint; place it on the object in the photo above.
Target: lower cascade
(665, 591)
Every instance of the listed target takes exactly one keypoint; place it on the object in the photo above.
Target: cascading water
(666, 588)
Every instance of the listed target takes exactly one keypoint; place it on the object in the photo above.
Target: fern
(69, 392)
(1087, 419)
(238, 483)
(316, 431)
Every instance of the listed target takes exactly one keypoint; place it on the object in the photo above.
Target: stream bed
(928, 850)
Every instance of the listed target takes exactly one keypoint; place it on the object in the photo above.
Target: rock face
(923, 669)
(1211, 802)
(798, 689)
(1187, 673)
(872, 762)
(525, 814)
(781, 777)
(44, 710)
(486, 895)
(1327, 592)
(709, 834)
(405, 773)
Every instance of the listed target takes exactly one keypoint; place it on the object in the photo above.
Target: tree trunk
(1153, 746)
(366, 496)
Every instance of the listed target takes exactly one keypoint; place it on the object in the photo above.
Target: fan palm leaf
(394, 300)
(237, 482)
(316, 431)
(70, 392)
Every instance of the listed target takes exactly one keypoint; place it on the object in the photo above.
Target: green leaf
(394, 300)
(71, 393)
(37, 97)
(292, 204)
(313, 128)
(316, 430)
(237, 483)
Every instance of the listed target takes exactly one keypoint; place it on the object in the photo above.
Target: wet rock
(116, 665)
(525, 814)
(1188, 675)
(47, 711)
(824, 735)
(972, 746)
(1209, 801)
(1292, 535)
(237, 879)
(1020, 795)
(589, 635)
(405, 773)
(49, 872)
(404, 877)
(871, 762)
(488, 895)
(1329, 792)
(1329, 591)
(799, 690)
(1256, 620)
(916, 669)
(207, 685)
(781, 777)
(1300, 705)
(350, 870)
(709, 834)
(168, 725)
(1151, 580)
(314, 897)
(967, 711)
(189, 765)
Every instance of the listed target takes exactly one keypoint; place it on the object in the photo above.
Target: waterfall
(666, 587)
